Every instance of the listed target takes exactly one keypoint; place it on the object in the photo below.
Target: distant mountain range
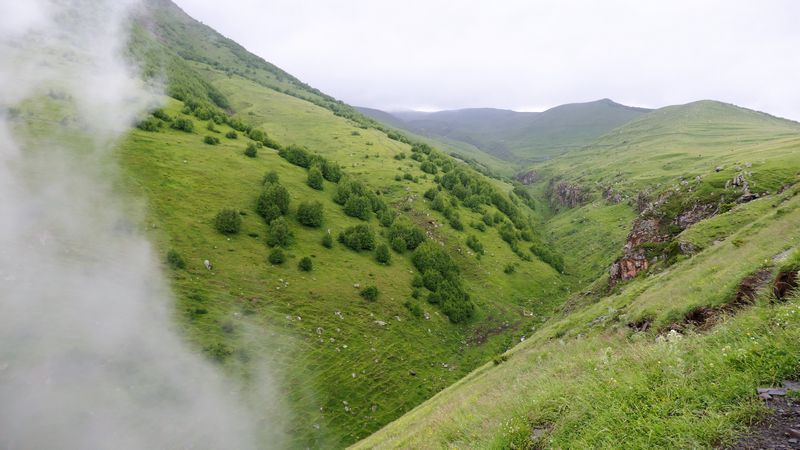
(516, 136)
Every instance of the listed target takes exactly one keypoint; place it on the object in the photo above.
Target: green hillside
(353, 339)
(519, 137)
(671, 357)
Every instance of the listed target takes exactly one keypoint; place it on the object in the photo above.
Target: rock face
(634, 259)
(695, 214)
(565, 194)
(528, 177)
(612, 197)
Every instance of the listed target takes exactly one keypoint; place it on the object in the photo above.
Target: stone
(779, 392)
(207, 264)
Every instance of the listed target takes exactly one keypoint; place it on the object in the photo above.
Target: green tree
(358, 206)
(305, 264)
(359, 237)
(370, 293)
(228, 221)
(382, 254)
(310, 214)
(273, 199)
(251, 151)
(315, 178)
(278, 233)
(276, 257)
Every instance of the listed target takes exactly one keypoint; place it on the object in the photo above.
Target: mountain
(687, 219)
(357, 340)
(517, 136)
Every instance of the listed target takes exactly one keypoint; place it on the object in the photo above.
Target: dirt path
(780, 430)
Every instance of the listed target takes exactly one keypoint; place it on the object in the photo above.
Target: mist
(90, 356)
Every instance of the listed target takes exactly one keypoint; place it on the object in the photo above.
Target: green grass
(591, 382)
(186, 183)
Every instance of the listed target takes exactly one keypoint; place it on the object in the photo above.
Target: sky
(526, 55)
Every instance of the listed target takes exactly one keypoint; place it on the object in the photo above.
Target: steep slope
(348, 361)
(671, 357)
(518, 136)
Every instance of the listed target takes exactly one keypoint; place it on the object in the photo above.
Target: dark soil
(780, 430)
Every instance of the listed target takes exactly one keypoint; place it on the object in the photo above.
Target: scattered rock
(565, 194)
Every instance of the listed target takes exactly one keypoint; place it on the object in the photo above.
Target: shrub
(414, 309)
(430, 194)
(228, 221)
(232, 135)
(417, 281)
(480, 226)
(327, 240)
(160, 114)
(382, 254)
(399, 244)
(358, 206)
(251, 151)
(149, 124)
(310, 214)
(305, 264)
(510, 268)
(271, 177)
(296, 155)
(370, 293)
(278, 233)
(387, 217)
(273, 202)
(210, 127)
(403, 228)
(455, 222)
(276, 257)
(359, 237)
(211, 140)
(429, 167)
(475, 244)
(183, 124)
(331, 171)
(175, 260)
(315, 178)
(548, 256)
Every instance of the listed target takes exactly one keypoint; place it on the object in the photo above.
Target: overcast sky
(525, 54)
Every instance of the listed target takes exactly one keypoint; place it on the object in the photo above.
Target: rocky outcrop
(612, 197)
(528, 177)
(566, 194)
(695, 214)
(634, 258)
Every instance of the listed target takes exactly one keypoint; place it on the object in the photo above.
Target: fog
(89, 355)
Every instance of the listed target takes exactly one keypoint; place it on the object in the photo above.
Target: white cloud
(515, 53)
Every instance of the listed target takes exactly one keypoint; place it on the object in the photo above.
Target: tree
(359, 237)
(278, 233)
(271, 177)
(305, 264)
(183, 124)
(251, 151)
(273, 199)
(228, 221)
(315, 178)
(310, 214)
(382, 254)
(276, 257)
(358, 206)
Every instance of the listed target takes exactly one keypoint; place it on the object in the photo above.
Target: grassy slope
(186, 182)
(588, 381)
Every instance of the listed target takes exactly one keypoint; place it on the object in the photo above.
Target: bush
(310, 214)
(273, 202)
(382, 254)
(358, 206)
(183, 124)
(271, 177)
(429, 167)
(149, 124)
(315, 178)
(211, 140)
(475, 244)
(228, 221)
(359, 237)
(455, 222)
(278, 233)
(276, 257)
(370, 293)
(296, 155)
(331, 171)
(160, 114)
(251, 151)
(548, 256)
(305, 264)
(417, 281)
(327, 241)
(210, 127)
(232, 135)
(510, 268)
(414, 309)
(403, 228)
(175, 260)
(387, 217)
(399, 244)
